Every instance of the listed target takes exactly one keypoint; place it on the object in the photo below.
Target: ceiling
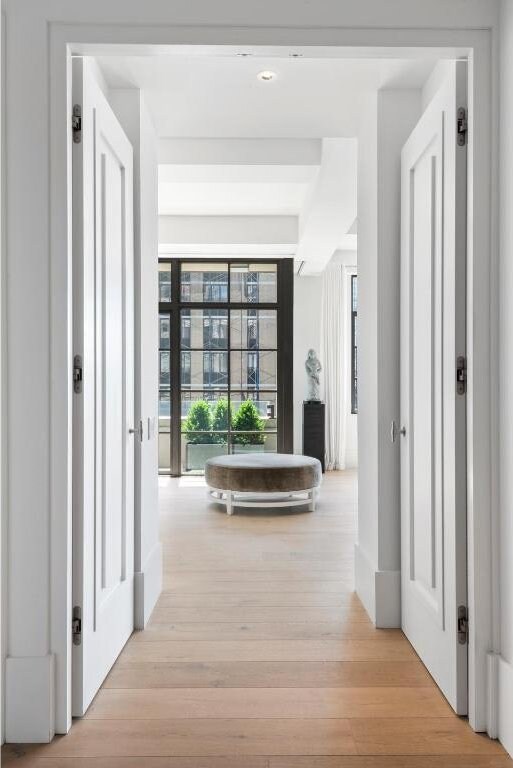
(246, 162)
(220, 190)
(221, 96)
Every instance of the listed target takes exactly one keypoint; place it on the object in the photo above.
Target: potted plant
(249, 428)
(222, 420)
(197, 429)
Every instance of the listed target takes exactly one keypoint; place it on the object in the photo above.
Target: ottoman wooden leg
(229, 503)
(311, 505)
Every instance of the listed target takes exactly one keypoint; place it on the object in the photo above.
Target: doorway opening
(227, 322)
(312, 326)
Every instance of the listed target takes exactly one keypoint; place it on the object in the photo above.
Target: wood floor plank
(292, 674)
(179, 584)
(263, 599)
(273, 736)
(350, 649)
(155, 704)
(420, 736)
(264, 613)
(304, 630)
(33, 761)
(392, 761)
(313, 761)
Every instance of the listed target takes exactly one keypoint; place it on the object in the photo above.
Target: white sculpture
(313, 368)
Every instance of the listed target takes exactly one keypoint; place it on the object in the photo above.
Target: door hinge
(76, 123)
(461, 126)
(462, 624)
(77, 373)
(461, 375)
(76, 625)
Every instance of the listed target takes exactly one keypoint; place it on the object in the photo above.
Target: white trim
(505, 703)
(30, 697)
(262, 500)
(480, 405)
(493, 698)
(379, 591)
(148, 586)
(50, 227)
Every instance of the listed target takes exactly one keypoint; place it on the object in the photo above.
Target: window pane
(195, 454)
(164, 282)
(215, 418)
(164, 431)
(354, 344)
(164, 368)
(204, 328)
(164, 332)
(164, 410)
(253, 370)
(265, 404)
(204, 282)
(204, 369)
(164, 453)
(253, 283)
(253, 329)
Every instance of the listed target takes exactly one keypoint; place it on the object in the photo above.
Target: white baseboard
(379, 591)
(364, 581)
(492, 694)
(29, 699)
(148, 586)
(505, 704)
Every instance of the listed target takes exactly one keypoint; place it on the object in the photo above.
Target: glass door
(222, 326)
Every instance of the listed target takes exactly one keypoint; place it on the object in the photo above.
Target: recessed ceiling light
(266, 75)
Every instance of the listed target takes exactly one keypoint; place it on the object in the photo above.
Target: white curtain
(332, 360)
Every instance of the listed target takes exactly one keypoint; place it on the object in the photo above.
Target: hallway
(259, 655)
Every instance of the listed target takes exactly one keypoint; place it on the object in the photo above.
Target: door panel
(433, 480)
(103, 448)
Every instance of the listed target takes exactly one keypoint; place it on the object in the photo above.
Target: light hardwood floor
(259, 655)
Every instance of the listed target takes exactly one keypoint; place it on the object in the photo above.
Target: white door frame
(63, 39)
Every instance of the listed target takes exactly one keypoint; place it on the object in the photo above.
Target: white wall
(505, 659)
(386, 121)
(307, 335)
(133, 114)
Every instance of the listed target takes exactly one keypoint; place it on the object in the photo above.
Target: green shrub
(199, 419)
(223, 417)
(247, 419)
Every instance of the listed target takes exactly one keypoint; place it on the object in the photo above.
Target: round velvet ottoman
(263, 480)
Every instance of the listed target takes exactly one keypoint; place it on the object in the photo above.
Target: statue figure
(313, 368)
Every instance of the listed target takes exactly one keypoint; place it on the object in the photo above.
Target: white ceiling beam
(239, 151)
(174, 230)
(178, 173)
(331, 209)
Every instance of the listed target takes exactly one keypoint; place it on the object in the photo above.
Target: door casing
(482, 271)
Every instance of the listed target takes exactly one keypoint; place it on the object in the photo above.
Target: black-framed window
(354, 344)
(229, 359)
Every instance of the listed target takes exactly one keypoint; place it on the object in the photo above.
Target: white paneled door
(103, 415)
(433, 445)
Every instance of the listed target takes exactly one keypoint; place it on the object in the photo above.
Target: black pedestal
(314, 430)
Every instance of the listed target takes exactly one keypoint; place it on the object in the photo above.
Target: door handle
(137, 431)
(403, 431)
